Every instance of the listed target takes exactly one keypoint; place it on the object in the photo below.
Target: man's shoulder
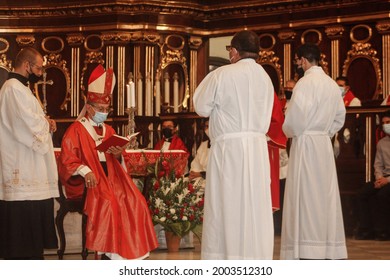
(385, 141)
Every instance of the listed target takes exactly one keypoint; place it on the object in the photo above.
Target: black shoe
(364, 235)
(382, 236)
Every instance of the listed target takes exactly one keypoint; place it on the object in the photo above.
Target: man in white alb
(238, 98)
(312, 226)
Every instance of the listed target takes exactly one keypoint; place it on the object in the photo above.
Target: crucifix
(44, 82)
(15, 180)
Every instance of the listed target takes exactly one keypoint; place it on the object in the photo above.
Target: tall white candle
(148, 93)
(176, 92)
(132, 94)
(157, 98)
(128, 95)
(139, 96)
(166, 87)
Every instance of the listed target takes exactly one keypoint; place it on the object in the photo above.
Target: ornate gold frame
(174, 55)
(364, 50)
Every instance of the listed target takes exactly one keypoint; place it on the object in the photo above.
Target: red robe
(349, 96)
(118, 216)
(277, 140)
(176, 144)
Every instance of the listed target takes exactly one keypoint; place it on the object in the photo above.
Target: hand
(194, 175)
(90, 180)
(380, 183)
(52, 124)
(116, 151)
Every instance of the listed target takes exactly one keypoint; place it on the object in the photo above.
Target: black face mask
(288, 94)
(300, 72)
(167, 132)
(32, 78)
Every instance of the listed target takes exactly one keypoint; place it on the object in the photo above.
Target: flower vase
(173, 241)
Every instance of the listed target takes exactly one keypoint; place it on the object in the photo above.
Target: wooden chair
(70, 206)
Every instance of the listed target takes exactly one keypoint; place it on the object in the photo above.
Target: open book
(115, 140)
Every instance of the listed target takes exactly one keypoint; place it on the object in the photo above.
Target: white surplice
(28, 169)
(238, 223)
(312, 216)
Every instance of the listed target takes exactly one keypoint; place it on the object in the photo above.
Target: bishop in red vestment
(119, 223)
(276, 140)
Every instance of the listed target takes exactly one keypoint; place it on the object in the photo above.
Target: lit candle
(132, 94)
(128, 95)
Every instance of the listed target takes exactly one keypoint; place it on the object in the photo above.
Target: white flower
(180, 197)
(163, 219)
(166, 191)
(158, 202)
(174, 217)
(184, 218)
(173, 211)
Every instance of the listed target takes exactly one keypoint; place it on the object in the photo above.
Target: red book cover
(115, 140)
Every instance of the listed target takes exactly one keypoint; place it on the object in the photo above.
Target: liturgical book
(115, 140)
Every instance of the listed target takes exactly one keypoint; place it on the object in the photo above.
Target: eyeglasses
(101, 109)
(40, 68)
(228, 48)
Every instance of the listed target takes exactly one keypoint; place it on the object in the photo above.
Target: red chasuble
(348, 98)
(176, 144)
(277, 140)
(118, 216)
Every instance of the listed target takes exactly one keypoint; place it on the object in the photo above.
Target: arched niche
(364, 77)
(173, 69)
(269, 61)
(5, 64)
(362, 67)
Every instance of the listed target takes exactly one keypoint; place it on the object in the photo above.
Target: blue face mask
(386, 128)
(99, 117)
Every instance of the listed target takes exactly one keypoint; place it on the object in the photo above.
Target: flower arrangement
(174, 202)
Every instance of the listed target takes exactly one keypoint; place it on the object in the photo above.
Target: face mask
(300, 72)
(99, 117)
(288, 94)
(32, 78)
(206, 131)
(386, 128)
(167, 132)
(342, 89)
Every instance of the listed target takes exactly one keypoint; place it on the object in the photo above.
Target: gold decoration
(116, 37)
(268, 57)
(364, 50)
(54, 60)
(287, 35)
(334, 31)
(383, 27)
(25, 40)
(365, 40)
(52, 38)
(195, 42)
(306, 32)
(75, 39)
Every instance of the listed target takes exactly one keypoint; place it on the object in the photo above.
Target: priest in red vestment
(276, 140)
(119, 223)
(170, 140)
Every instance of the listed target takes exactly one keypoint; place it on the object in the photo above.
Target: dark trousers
(374, 209)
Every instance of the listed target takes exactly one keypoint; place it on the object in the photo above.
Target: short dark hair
(26, 54)
(174, 121)
(342, 78)
(309, 51)
(385, 114)
(246, 41)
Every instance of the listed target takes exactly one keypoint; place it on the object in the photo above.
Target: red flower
(156, 185)
(165, 165)
(192, 217)
(156, 211)
(190, 188)
(161, 174)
